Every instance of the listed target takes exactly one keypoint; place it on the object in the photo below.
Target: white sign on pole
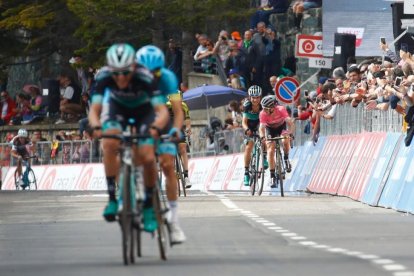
(320, 63)
(408, 6)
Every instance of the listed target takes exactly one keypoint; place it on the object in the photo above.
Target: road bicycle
(280, 169)
(131, 202)
(28, 176)
(179, 172)
(256, 167)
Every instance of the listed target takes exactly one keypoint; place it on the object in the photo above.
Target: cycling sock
(246, 170)
(148, 197)
(110, 181)
(173, 208)
(185, 173)
(272, 174)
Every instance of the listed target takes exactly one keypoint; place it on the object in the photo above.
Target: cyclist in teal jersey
(128, 92)
(153, 59)
(250, 124)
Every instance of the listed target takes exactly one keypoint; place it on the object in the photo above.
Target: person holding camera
(221, 48)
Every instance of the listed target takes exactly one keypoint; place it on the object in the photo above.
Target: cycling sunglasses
(123, 73)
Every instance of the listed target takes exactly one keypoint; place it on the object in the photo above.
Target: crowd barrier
(374, 168)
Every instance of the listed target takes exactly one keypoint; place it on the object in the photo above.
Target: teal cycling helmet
(151, 57)
(120, 56)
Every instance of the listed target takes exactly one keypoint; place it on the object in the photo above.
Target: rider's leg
(247, 157)
(167, 165)
(146, 155)
(182, 148)
(110, 160)
(272, 165)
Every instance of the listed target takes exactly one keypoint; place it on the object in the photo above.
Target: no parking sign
(287, 90)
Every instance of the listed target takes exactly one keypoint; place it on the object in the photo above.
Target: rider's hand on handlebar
(175, 133)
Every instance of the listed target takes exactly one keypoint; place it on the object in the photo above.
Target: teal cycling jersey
(248, 111)
(167, 82)
(141, 89)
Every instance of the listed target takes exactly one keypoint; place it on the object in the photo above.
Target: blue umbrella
(207, 96)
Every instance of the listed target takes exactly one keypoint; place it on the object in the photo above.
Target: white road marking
(387, 264)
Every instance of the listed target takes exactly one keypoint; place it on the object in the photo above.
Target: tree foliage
(90, 26)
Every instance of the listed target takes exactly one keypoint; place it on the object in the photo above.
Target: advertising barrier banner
(381, 169)
(332, 165)
(366, 152)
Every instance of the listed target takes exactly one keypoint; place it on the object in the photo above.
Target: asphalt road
(62, 233)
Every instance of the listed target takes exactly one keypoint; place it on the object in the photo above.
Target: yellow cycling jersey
(185, 108)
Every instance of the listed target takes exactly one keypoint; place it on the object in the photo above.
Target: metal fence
(348, 120)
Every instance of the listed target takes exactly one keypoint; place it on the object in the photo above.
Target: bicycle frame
(279, 165)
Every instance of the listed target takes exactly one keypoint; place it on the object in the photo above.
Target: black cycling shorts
(275, 132)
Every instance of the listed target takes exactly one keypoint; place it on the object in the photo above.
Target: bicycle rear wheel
(279, 171)
(31, 177)
(126, 217)
(162, 230)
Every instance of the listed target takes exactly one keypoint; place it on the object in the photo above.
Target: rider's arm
(175, 100)
(162, 117)
(14, 153)
(262, 131)
(94, 114)
(244, 123)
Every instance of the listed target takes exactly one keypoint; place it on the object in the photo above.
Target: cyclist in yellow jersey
(182, 144)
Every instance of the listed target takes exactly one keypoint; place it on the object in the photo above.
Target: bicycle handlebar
(277, 138)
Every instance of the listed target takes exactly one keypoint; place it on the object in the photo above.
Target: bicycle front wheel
(260, 173)
(280, 172)
(126, 217)
(253, 173)
(162, 230)
(31, 177)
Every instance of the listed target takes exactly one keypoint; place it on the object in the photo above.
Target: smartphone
(398, 81)
(383, 40)
(404, 47)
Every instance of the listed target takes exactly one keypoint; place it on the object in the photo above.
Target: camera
(224, 38)
(306, 93)
(383, 40)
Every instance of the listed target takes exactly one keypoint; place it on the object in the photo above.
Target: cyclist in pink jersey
(274, 122)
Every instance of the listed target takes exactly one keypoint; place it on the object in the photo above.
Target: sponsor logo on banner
(358, 32)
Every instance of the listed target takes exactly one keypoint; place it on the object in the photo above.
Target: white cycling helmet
(22, 133)
(254, 91)
(120, 56)
(268, 101)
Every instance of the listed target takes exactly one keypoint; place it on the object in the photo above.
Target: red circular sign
(308, 46)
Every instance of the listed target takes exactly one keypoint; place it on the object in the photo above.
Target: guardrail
(348, 120)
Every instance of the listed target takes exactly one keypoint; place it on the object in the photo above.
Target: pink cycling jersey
(276, 119)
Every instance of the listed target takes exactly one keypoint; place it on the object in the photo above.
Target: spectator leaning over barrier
(202, 47)
(39, 148)
(357, 88)
(208, 59)
(7, 106)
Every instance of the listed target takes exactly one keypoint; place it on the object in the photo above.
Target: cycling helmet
(268, 101)
(151, 57)
(120, 56)
(255, 91)
(22, 133)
